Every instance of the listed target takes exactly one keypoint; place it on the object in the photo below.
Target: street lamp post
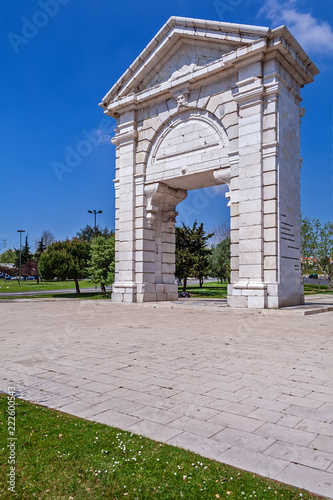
(95, 212)
(20, 231)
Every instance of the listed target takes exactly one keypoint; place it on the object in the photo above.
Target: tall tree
(101, 268)
(89, 232)
(191, 252)
(65, 260)
(25, 254)
(41, 247)
(220, 260)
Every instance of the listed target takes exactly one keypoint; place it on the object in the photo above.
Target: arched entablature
(187, 150)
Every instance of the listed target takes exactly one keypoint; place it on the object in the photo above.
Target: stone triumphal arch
(210, 103)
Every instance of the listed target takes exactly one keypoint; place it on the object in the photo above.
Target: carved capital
(160, 196)
(222, 175)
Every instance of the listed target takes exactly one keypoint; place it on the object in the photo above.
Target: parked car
(30, 278)
(17, 278)
(313, 276)
(2, 276)
(8, 278)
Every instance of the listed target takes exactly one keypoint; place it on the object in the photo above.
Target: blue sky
(60, 57)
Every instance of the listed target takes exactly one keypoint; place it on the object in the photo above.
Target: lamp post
(20, 231)
(95, 212)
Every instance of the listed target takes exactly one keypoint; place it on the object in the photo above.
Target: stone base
(264, 296)
(138, 292)
(124, 292)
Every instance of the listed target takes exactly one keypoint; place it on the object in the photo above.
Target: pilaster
(124, 287)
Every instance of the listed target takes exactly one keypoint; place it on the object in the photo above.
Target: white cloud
(314, 35)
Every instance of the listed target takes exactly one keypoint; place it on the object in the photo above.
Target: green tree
(88, 233)
(101, 268)
(41, 247)
(317, 243)
(220, 260)
(8, 257)
(25, 254)
(65, 260)
(191, 252)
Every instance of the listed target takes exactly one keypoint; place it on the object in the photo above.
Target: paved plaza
(250, 388)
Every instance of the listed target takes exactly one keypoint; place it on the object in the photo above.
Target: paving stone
(323, 414)
(225, 419)
(315, 426)
(290, 421)
(91, 397)
(154, 431)
(253, 461)
(160, 391)
(203, 446)
(196, 426)
(196, 411)
(78, 408)
(244, 439)
(115, 419)
(265, 403)
(307, 478)
(228, 396)
(115, 404)
(155, 415)
(232, 407)
(266, 415)
(286, 434)
(293, 400)
(323, 443)
(300, 454)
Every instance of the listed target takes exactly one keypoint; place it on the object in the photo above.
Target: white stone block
(251, 232)
(250, 219)
(270, 263)
(271, 248)
(270, 220)
(250, 271)
(270, 207)
(251, 245)
(237, 301)
(250, 194)
(251, 206)
(270, 192)
(250, 258)
(256, 302)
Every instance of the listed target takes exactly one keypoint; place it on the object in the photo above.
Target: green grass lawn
(31, 286)
(217, 290)
(313, 289)
(63, 457)
(212, 290)
(81, 296)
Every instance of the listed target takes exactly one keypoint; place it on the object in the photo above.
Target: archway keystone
(207, 103)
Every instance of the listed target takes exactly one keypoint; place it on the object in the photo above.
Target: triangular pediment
(187, 50)
(182, 47)
(184, 58)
